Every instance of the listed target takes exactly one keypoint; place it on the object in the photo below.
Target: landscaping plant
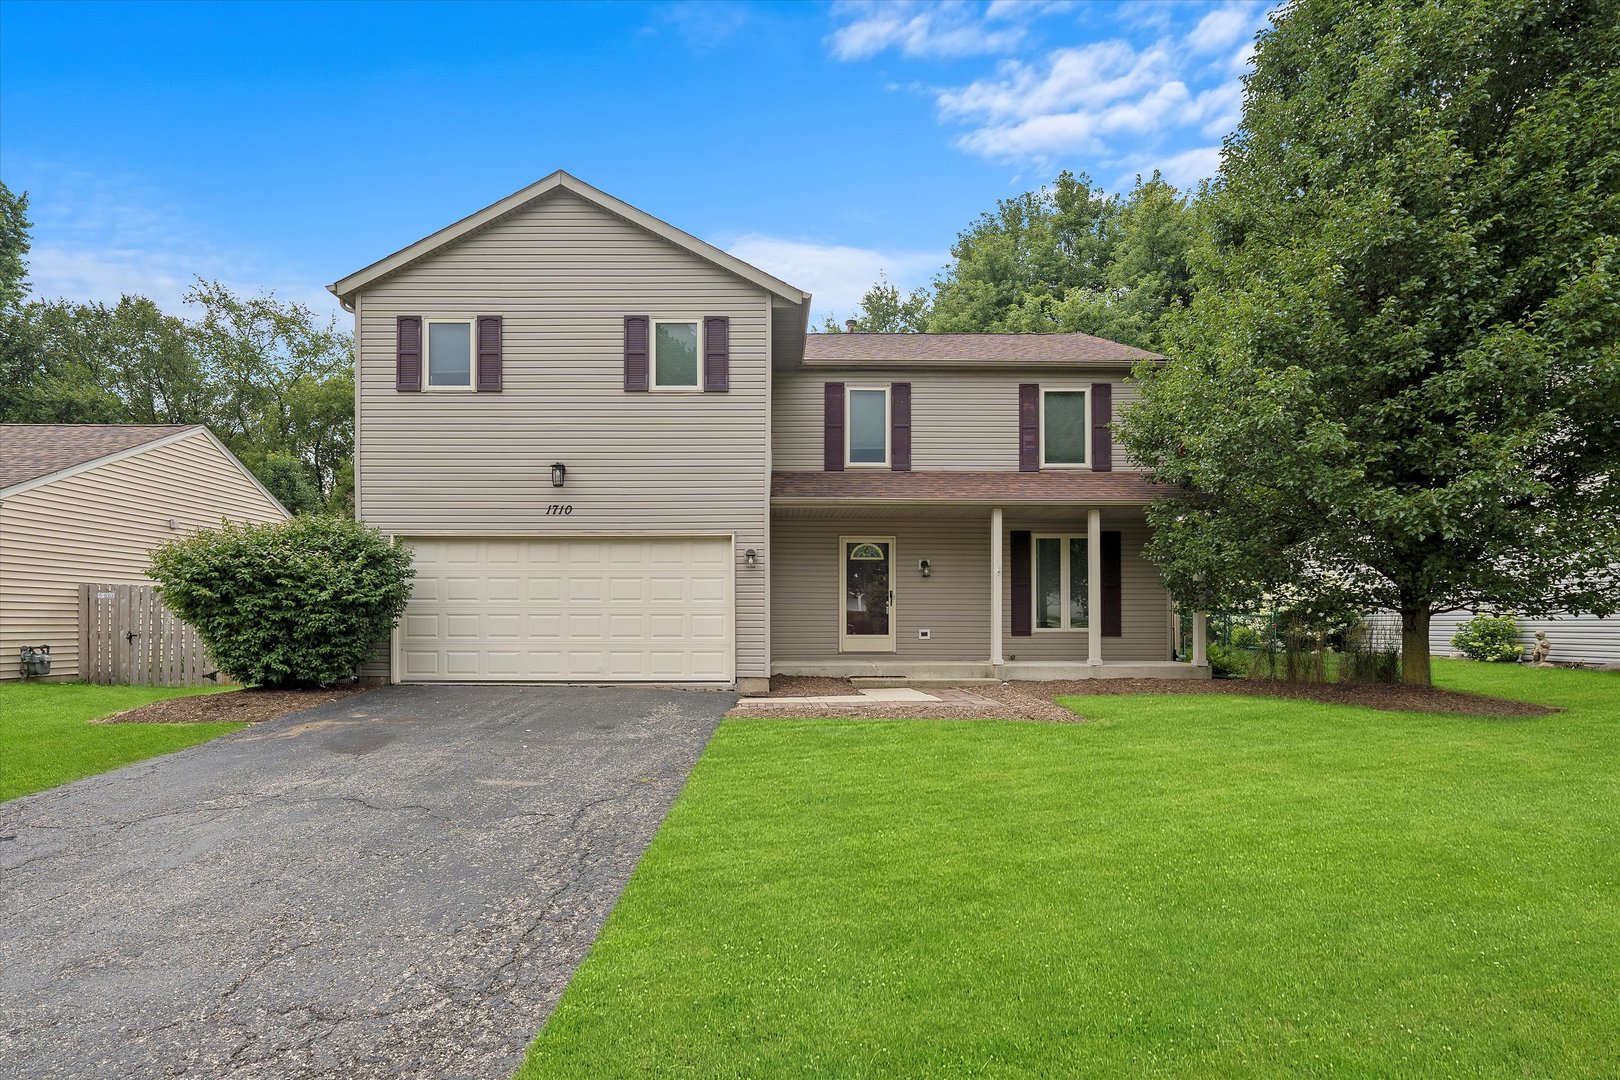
(301, 603)
(1492, 638)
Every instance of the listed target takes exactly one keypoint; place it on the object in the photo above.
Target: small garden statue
(1540, 650)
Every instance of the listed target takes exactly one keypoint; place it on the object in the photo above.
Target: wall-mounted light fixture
(751, 557)
(559, 473)
(926, 567)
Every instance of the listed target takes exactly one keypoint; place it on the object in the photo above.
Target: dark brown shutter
(408, 353)
(1029, 427)
(635, 352)
(900, 426)
(1102, 426)
(717, 354)
(1112, 586)
(1020, 551)
(489, 354)
(832, 443)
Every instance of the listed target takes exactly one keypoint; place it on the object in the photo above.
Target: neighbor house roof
(346, 289)
(1066, 485)
(30, 451)
(970, 349)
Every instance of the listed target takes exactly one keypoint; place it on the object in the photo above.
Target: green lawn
(46, 737)
(1186, 886)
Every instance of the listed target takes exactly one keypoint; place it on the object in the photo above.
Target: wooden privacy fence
(126, 635)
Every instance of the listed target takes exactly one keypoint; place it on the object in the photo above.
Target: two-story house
(619, 456)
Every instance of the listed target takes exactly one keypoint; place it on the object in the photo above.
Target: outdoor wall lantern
(751, 557)
(926, 567)
(559, 473)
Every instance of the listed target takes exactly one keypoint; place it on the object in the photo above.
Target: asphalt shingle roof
(1066, 485)
(1037, 349)
(29, 451)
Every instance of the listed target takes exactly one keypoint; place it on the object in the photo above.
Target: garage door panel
(608, 609)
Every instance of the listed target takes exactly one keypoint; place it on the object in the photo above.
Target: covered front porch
(953, 588)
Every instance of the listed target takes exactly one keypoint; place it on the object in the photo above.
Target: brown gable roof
(30, 451)
(970, 349)
(1067, 485)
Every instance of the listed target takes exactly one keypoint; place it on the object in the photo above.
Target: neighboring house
(87, 503)
(1576, 639)
(619, 456)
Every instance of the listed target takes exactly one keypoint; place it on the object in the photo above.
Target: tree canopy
(273, 381)
(1397, 384)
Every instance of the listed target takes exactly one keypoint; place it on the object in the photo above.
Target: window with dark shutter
(408, 353)
(716, 354)
(489, 354)
(635, 352)
(900, 426)
(832, 451)
(1019, 551)
(1029, 427)
(1102, 427)
(1112, 586)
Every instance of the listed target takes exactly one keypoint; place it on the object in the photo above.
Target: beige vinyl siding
(564, 273)
(954, 601)
(962, 420)
(99, 526)
(1144, 603)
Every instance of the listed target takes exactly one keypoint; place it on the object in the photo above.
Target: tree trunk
(1415, 646)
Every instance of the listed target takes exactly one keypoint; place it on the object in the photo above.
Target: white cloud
(836, 275)
(96, 238)
(1112, 101)
(931, 28)
(1184, 169)
(1225, 27)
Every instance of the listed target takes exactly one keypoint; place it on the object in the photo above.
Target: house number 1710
(559, 510)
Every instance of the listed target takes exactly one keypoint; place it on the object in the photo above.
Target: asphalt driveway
(399, 884)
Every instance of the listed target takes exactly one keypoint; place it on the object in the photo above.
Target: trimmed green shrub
(301, 603)
(1492, 638)
(1245, 636)
(1226, 662)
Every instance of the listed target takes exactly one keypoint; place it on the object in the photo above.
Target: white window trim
(1084, 463)
(888, 428)
(867, 643)
(1065, 579)
(472, 356)
(695, 387)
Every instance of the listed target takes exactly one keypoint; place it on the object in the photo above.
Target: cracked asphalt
(398, 884)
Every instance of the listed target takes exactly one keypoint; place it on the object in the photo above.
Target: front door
(866, 569)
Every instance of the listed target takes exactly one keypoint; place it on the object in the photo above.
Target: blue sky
(281, 146)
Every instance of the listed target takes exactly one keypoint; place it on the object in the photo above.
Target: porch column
(1094, 586)
(995, 587)
(1200, 656)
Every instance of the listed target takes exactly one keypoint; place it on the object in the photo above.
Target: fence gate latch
(131, 635)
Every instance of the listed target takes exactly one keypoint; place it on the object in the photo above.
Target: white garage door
(607, 610)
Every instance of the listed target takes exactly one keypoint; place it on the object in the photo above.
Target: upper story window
(1064, 427)
(675, 354)
(868, 426)
(449, 354)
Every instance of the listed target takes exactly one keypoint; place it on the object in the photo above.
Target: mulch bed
(247, 706)
(1033, 700)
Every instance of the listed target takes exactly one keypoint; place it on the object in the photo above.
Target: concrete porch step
(871, 682)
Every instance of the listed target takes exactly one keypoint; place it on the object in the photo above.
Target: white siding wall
(564, 274)
(961, 420)
(1585, 639)
(101, 525)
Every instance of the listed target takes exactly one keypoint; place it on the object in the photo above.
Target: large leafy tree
(1035, 247)
(885, 310)
(1398, 382)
